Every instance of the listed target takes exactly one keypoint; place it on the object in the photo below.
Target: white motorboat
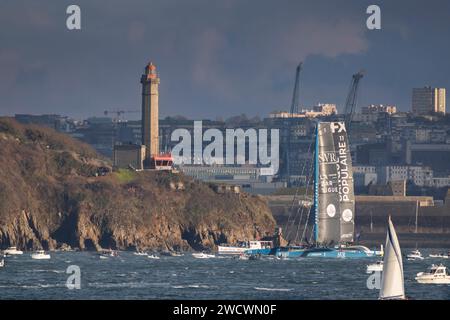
(12, 251)
(171, 254)
(203, 255)
(105, 254)
(176, 254)
(153, 256)
(375, 267)
(243, 246)
(40, 255)
(392, 278)
(140, 253)
(436, 274)
(414, 255)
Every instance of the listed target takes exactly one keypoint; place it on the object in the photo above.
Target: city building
(320, 110)
(251, 179)
(129, 156)
(378, 108)
(398, 187)
(129, 132)
(99, 132)
(421, 176)
(440, 182)
(364, 175)
(428, 100)
(54, 121)
(325, 109)
(436, 156)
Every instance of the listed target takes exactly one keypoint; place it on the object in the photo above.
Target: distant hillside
(52, 196)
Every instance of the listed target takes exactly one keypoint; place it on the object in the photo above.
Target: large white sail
(392, 283)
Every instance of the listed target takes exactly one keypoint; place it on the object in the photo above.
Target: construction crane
(296, 93)
(294, 109)
(119, 113)
(350, 103)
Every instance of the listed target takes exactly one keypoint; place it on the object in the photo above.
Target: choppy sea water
(138, 277)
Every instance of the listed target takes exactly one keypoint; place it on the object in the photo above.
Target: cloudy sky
(216, 58)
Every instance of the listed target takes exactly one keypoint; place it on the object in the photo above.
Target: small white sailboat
(12, 251)
(203, 255)
(375, 267)
(40, 255)
(436, 274)
(414, 255)
(392, 279)
(2, 263)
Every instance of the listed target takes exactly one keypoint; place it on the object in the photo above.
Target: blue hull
(293, 252)
(290, 252)
(287, 252)
(263, 252)
(336, 253)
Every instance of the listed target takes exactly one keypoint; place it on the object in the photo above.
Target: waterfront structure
(209, 173)
(428, 100)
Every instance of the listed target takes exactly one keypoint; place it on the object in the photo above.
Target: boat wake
(194, 286)
(273, 289)
(37, 286)
(54, 271)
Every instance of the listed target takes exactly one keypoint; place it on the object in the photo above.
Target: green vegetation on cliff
(51, 195)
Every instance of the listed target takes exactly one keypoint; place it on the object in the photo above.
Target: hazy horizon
(216, 58)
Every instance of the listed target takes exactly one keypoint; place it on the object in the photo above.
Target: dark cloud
(215, 58)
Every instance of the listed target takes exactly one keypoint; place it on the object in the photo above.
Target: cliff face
(51, 196)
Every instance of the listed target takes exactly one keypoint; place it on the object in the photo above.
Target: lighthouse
(150, 113)
(145, 155)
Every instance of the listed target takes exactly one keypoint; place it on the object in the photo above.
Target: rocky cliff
(52, 195)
